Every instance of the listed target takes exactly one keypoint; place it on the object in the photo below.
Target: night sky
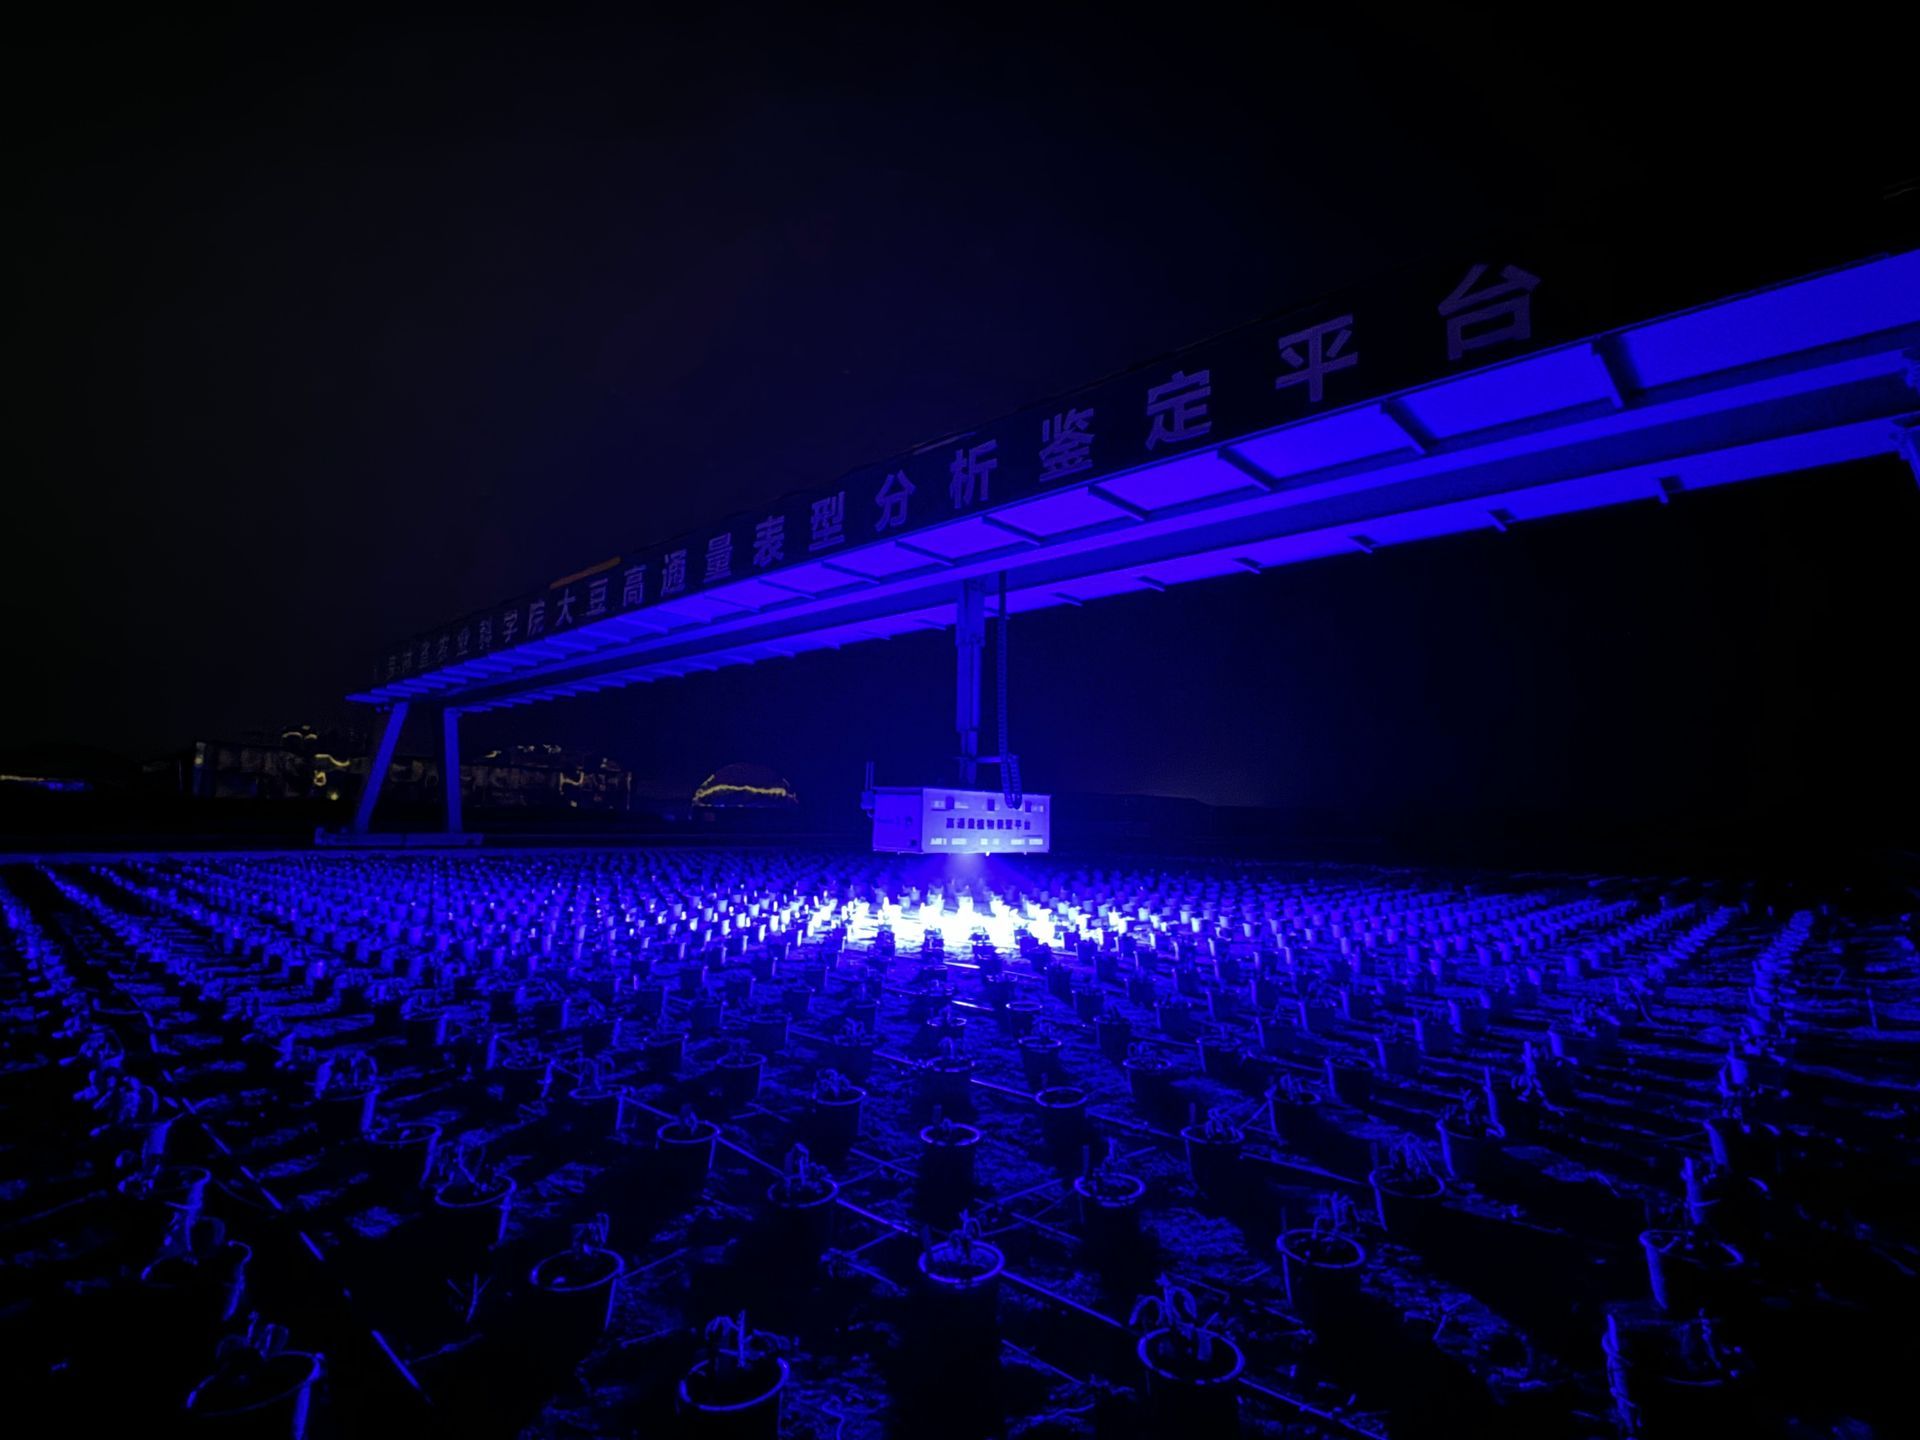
(334, 331)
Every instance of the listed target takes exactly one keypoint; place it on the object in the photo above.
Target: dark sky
(334, 330)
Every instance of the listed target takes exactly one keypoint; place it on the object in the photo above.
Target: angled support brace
(377, 769)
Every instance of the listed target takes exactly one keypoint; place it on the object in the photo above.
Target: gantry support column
(377, 768)
(450, 764)
(970, 639)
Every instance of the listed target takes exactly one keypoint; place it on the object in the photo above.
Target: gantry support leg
(1906, 440)
(450, 764)
(970, 638)
(377, 769)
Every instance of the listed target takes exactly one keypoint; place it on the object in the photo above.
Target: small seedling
(1173, 1309)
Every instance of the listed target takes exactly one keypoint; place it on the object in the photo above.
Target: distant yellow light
(711, 788)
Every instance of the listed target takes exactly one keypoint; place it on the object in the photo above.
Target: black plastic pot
(1020, 1016)
(852, 1058)
(767, 1031)
(739, 1078)
(737, 1405)
(204, 1289)
(962, 1291)
(342, 1113)
(947, 1080)
(473, 1218)
(1063, 1117)
(946, 1165)
(426, 1032)
(1114, 1035)
(570, 1295)
(1406, 1204)
(1109, 1209)
(1661, 1396)
(1470, 1155)
(524, 1081)
(1039, 1059)
(1177, 1020)
(805, 1217)
(595, 1110)
(1689, 1273)
(1221, 1058)
(1745, 1149)
(596, 1035)
(923, 1005)
(1213, 1161)
(155, 1199)
(663, 1052)
(836, 1122)
(1349, 1081)
(1185, 1396)
(647, 1003)
(402, 1155)
(264, 1401)
(1149, 1081)
(1322, 1273)
(686, 1153)
(1298, 1118)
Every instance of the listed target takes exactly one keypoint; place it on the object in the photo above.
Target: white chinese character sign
(1066, 445)
(894, 499)
(1316, 352)
(1177, 408)
(1482, 312)
(828, 522)
(972, 474)
(770, 542)
(1426, 325)
(673, 573)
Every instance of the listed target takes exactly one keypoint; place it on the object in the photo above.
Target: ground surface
(1659, 1057)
